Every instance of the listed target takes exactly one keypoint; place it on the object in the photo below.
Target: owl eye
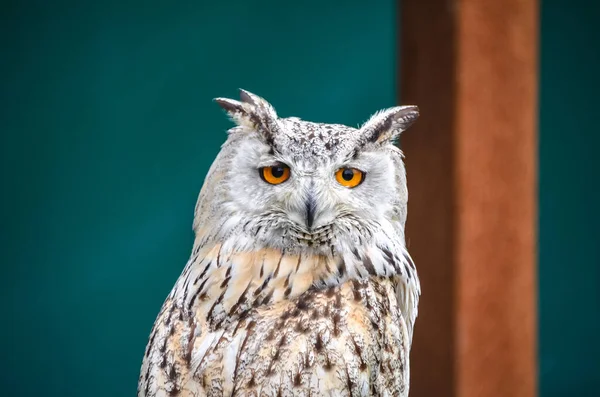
(349, 177)
(275, 174)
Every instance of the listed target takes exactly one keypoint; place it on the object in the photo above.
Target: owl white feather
(299, 282)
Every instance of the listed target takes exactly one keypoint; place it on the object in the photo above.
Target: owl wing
(408, 293)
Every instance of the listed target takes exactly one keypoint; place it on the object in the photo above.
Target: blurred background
(108, 129)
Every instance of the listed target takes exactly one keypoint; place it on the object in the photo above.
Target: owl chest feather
(267, 323)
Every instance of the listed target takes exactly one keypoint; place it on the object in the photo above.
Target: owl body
(299, 282)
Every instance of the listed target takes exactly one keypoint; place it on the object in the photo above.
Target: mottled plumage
(301, 288)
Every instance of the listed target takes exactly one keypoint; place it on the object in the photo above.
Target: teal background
(108, 128)
(569, 199)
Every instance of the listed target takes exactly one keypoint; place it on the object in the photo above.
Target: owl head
(291, 184)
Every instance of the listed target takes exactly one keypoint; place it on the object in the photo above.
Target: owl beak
(311, 205)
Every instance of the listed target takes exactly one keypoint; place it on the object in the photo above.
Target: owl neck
(373, 251)
(222, 281)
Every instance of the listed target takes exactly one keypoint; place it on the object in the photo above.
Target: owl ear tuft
(252, 112)
(252, 99)
(386, 125)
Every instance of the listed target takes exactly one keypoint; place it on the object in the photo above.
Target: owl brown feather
(253, 324)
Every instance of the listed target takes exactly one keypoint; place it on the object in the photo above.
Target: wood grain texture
(471, 66)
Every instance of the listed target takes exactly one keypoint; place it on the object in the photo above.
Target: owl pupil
(347, 174)
(277, 172)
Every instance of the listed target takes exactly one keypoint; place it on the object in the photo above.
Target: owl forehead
(305, 140)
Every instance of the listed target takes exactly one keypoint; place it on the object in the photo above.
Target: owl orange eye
(349, 177)
(275, 174)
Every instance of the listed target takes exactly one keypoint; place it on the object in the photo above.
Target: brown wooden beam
(471, 66)
(427, 79)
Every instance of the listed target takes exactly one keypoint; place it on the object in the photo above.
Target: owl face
(297, 185)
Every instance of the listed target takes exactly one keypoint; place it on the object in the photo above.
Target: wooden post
(471, 67)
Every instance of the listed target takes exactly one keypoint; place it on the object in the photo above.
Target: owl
(299, 282)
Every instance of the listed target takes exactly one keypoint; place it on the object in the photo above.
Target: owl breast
(236, 333)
